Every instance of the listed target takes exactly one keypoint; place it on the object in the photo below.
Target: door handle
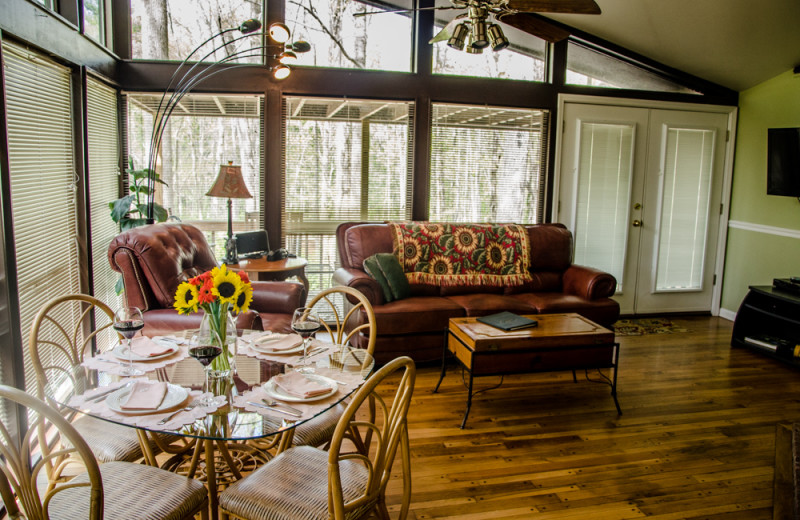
(637, 223)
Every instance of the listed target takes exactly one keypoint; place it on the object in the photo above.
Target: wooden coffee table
(560, 342)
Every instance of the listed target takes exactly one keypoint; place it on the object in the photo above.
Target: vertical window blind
(43, 185)
(488, 164)
(102, 133)
(344, 160)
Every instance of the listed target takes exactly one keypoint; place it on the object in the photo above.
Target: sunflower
(494, 256)
(243, 298)
(433, 230)
(466, 240)
(411, 251)
(440, 265)
(186, 298)
(226, 284)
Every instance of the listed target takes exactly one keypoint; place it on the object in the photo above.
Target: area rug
(642, 326)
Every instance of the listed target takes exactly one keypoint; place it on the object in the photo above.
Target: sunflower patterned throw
(459, 254)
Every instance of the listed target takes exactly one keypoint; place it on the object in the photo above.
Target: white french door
(641, 190)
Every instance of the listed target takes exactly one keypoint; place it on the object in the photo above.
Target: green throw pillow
(374, 270)
(395, 277)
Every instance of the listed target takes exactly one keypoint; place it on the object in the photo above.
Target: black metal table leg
(469, 402)
(614, 383)
(444, 360)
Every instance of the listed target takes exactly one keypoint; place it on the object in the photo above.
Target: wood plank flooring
(696, 438)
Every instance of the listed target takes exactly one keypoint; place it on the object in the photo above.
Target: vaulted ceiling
(734, 43)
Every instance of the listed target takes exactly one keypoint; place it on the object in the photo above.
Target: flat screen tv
(783, 162)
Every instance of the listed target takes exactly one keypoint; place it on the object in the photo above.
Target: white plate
(263, 347)
(121, 352)
(176, 395)
(275, 392)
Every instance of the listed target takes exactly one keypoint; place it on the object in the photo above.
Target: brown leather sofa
(415, 326)
(155, 259)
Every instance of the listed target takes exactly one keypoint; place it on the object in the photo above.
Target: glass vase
(219, 329)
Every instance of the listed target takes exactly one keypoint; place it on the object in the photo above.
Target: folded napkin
(145, 395)
(146, 347)
(298, 385)
(277, 342)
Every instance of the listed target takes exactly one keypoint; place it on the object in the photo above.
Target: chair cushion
(293, 486)
(108, 441)
(132, 491)
(318, 430)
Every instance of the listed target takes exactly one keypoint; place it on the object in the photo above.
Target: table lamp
(230, 184)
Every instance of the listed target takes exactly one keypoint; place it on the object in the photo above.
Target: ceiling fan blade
(535, 26)
(555, 6)
(447, 31)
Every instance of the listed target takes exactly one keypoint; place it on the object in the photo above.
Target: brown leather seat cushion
(602, 311)
(427, 313)
(483, 304)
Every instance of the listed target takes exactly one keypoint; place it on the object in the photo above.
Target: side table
(275, 270)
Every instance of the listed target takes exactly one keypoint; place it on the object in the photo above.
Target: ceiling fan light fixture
(497, 39)
(470, 49)
(460, 33)
(300, 46)
(280, 71)
(279, 32)
(479, 38)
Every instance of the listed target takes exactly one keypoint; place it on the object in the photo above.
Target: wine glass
(128, 321)
(306, 323)
(205, 354)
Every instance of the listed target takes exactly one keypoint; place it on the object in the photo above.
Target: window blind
(344, 160)
(102, 133)
(488, 164)
(43, 184)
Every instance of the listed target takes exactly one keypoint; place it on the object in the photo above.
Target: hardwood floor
(696, 438)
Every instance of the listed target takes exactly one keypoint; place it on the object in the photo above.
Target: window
(591, 67)
(102, 132)
(171, 29)
(523, 59)
(209, 131)
(345, 160)
(94, 19)
(43, 184)
(488, 164)
(340, 39)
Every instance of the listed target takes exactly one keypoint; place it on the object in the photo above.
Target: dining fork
(275, 404)
(168, 418)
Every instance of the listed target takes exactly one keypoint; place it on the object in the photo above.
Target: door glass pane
(685, 199)
(605, 167)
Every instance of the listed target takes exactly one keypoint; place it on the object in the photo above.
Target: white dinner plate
(121, 352)
(275, 392)
(176, 395)
(262, 347)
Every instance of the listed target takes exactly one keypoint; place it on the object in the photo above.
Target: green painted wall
(753, 257)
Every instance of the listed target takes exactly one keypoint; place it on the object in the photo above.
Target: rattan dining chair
(341, 329)
(309, 483)
(115, 490)
(57, 352)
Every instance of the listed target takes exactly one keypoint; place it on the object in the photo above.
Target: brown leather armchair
(156, 258)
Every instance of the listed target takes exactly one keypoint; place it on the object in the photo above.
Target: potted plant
(129, 211)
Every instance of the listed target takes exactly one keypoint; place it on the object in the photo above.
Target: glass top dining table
(245, 416)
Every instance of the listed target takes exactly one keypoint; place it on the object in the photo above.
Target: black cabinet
(768, 321)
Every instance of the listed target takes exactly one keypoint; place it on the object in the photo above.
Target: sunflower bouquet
(215, 292)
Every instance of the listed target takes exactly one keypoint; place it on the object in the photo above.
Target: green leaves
(130, 211)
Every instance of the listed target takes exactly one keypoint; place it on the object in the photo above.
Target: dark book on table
(508, 321)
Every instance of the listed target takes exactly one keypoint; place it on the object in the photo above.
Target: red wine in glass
(305, 323)
(128, 328)
(128, 321)
(205, 354)
(306, 329)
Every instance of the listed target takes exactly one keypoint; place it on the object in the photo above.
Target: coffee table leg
(614, 384)
(444, 361)
(469, 402)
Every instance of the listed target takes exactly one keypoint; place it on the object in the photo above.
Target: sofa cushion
(426, 313)
(373, 268)
(395, 277)
(484, 304)
(603, 311)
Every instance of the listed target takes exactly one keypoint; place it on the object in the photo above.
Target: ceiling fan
(471, 28)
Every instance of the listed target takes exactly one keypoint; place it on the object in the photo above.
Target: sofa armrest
(361, 281)
(588, 283)
(278, 297)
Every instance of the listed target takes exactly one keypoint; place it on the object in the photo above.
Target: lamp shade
(230, 183)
